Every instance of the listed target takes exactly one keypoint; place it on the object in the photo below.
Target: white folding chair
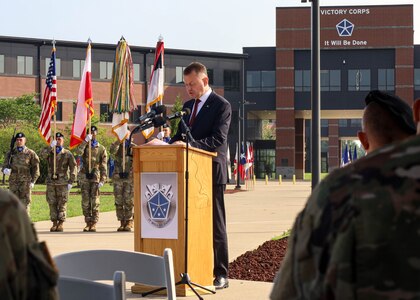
(70, 288)
(138, 267)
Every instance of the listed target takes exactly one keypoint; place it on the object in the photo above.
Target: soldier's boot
(59, 226)
(128, 225)
(121, 228)
(92, 227)
(87, 227)
(54, 227)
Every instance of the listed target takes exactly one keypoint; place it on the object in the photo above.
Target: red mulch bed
(260, 264)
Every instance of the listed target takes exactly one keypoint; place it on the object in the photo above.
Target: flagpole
(55, 126)
(90, 125)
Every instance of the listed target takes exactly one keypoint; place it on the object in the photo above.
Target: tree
(176, 108)
(268, 130)
(19, 110)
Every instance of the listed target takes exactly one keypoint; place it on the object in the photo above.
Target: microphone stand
(185, 278)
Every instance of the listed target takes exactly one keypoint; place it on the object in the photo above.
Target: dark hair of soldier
(382, 124)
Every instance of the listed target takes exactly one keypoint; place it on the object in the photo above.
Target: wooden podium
(193, 249)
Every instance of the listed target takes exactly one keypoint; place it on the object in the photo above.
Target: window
(78, 65)
(302, 81)
(105, 69)
(135, 115)
(359, 80)
(105, 115)
(417, 79)
(1, 63)
(260, 81)
(210, 75)
(57, 66)
(324, 123)
(356, 123)
(231, 80)
(136, 71)
(179, 74)
(330, 80)
(386, 79)
(342, 123)
(59, 111)
(25, 65)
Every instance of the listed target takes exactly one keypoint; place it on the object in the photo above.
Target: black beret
(165, 125)
(93, 128)
(399, 109)
(20, 135)
(59, 134)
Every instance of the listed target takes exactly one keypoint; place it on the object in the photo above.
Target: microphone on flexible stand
(152, 113)
(185, 112)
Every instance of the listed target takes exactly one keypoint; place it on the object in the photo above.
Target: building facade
(362, 48)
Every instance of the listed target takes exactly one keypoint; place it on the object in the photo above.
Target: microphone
(186, 111)
(152, 113)
(158, 121)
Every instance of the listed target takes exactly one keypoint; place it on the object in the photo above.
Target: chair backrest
(138, 267)
(70, 288)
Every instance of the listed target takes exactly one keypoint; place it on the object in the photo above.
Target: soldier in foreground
(59, 182)
(358, 236)
(386, 119)
(23, 170)
(91, 180)
(26, 268)
(123, 184)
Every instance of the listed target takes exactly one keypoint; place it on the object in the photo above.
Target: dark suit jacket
(210, 131)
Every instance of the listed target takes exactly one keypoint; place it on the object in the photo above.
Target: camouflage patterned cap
(399, 109)
(20, 135)
(59, 135)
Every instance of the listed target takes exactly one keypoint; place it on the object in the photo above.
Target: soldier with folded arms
(23, 170)
(59, 180)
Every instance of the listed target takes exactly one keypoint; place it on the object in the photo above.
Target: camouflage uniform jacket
(26, 271)
(65, 166)
(359, 235)
(117, 149)
(24, 165)
(99, 160)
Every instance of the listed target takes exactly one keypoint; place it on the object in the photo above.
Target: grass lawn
(308, 176)
(40, 210)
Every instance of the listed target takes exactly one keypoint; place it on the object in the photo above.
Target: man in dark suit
(209, 123)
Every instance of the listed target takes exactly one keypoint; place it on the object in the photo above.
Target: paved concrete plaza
(253, 217)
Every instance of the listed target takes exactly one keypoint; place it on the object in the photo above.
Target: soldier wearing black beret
(386, 119)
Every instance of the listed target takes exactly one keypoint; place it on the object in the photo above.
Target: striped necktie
(194, 114)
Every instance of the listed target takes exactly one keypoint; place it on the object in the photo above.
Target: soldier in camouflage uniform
(60, 182)
(358, 236)
(23, 170)
(26, 270)
(92, 180)
(123, 185)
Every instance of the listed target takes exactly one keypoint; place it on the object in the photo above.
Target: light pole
(315, 95)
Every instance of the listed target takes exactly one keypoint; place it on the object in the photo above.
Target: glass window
(1, 63)
(136, 71)
(57, 66)
(359, 80)
(59, 111)
(342, 123)
(268, 81)
(302, 81)
(78, 65)
(330, 80)
(253, 81)
(417, 79)
(105, 114)
(356, 123)
(324, 123)
(386, 79)
(179, 75)
(25, 65)
(105, 69)
(231, 80)
(210, 75)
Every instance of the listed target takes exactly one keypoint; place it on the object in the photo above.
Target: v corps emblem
(160, 205)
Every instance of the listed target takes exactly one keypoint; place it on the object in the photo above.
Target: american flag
(49, 102)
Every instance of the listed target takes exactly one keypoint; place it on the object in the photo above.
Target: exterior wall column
(300, 148)
(333, 145)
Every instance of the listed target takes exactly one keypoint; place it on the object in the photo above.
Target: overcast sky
(213, 25)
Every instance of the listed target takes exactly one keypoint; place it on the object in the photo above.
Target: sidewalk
(253, 217)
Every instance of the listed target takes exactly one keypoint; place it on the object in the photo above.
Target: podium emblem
(159, 197)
